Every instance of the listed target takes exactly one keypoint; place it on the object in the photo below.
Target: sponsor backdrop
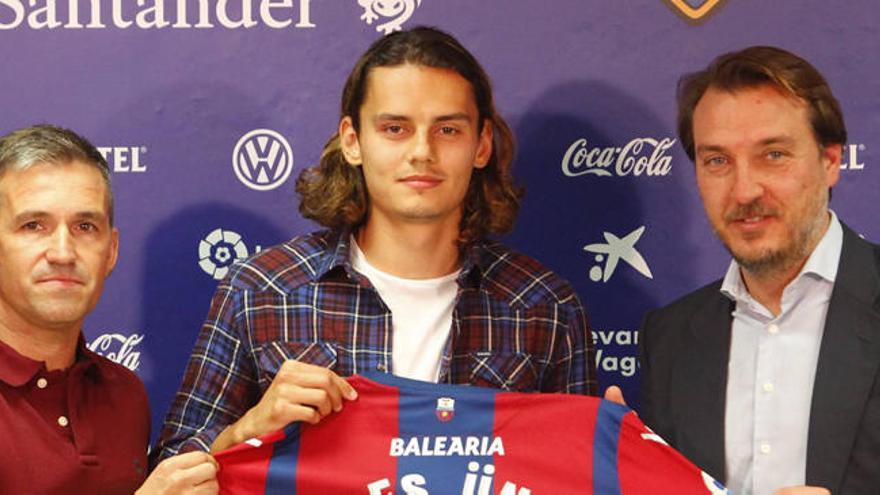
(207, 110)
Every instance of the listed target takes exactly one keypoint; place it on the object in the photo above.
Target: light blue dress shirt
(771, 371)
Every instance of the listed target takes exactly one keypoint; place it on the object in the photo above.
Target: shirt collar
(338, 255)
(17, 370)
(823, 262)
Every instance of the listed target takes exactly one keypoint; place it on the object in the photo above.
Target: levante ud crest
(694, 9)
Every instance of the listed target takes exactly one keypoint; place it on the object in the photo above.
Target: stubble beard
(801, 240)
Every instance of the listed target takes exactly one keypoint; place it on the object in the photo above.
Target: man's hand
(802, 490)
(299, 392)
(614, 394)
(193, 473)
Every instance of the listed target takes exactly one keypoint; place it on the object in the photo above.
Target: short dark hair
(334, 193)
(45, 143)
(759, 66)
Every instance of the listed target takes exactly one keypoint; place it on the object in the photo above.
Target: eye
(448, 130)
(86, 227)
(33, 225)
(775, 155)
(393, 129)
(715, 161)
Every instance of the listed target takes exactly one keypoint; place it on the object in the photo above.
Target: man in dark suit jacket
(768, 379)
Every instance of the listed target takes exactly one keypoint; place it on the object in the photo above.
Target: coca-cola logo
(119, 348)
(641, 156)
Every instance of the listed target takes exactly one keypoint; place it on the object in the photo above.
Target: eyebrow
(458, 116)
(38, 214)
(783, 139)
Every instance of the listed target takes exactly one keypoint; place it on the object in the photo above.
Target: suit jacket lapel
(701, 419)
(848, 362)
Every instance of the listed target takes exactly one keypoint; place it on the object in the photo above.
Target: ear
(348, 142)
(114, 250)
(484, 146)
(831, 156)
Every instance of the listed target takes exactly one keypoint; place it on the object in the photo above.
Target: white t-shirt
(421, 316)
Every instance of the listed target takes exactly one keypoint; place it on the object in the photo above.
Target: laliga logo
(219, 250)
(262, 159)
(694, 9)
(641, 156)
(617, 249)
(119, 348)
(403, 9)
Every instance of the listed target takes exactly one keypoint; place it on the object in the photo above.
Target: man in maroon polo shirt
(70, 421)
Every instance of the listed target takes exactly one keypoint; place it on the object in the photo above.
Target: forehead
(406, 88)
(52, 187)
(748, 115)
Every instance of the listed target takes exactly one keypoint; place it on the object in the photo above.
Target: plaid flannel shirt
(516, 326)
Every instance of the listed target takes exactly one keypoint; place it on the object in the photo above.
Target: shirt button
(768, 387)
(62, 421)
(381, 367)
(765, 448)
(773, 329)
(42, 383)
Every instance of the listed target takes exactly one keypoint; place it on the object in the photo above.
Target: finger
(347, 390)
(316, 398)
(210, 487)
(187, 460)
(614, 394)
(196, 475)
(310, 376)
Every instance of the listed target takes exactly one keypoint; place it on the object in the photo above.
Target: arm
(221, 402)
(299, 392)
(219, 385)
(575, 355)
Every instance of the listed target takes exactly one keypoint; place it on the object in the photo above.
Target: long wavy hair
(334, 194)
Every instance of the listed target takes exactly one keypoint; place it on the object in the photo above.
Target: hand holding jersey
(299, 392)
(802, 490)
(193, 473)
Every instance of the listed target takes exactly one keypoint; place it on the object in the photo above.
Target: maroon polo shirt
(81, 430)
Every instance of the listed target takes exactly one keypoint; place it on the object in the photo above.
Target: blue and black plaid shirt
(516, 326)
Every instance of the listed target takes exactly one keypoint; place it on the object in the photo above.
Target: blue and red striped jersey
(408, 437)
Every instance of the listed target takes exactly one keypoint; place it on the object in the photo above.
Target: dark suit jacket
(684, 349)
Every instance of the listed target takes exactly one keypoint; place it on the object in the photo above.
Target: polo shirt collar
(17, 370)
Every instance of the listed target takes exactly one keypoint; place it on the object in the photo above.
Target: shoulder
(285, 266)
(675, 318)
(521, 279)
(117, 377)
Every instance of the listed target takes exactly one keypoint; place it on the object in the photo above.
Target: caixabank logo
(694, 10)
(389, 15)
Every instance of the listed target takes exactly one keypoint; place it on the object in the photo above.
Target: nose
(62, 248)
(747, 185)
(422, 149)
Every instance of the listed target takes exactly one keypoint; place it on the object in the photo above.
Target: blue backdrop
(208, 109)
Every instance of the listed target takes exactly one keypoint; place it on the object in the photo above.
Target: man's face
(418, 144)
(56, 244)
(762, 175)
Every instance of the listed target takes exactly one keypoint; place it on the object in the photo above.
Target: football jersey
(408, 437)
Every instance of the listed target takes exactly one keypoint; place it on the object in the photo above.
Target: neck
(414, 251)
(767, 287)
(56, 347)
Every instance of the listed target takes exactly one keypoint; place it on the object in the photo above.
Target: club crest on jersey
(445, 409)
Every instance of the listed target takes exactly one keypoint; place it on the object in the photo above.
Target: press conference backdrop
(207, 110)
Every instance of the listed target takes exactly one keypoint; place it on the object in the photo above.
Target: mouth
(60, 281)
(421, 182)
